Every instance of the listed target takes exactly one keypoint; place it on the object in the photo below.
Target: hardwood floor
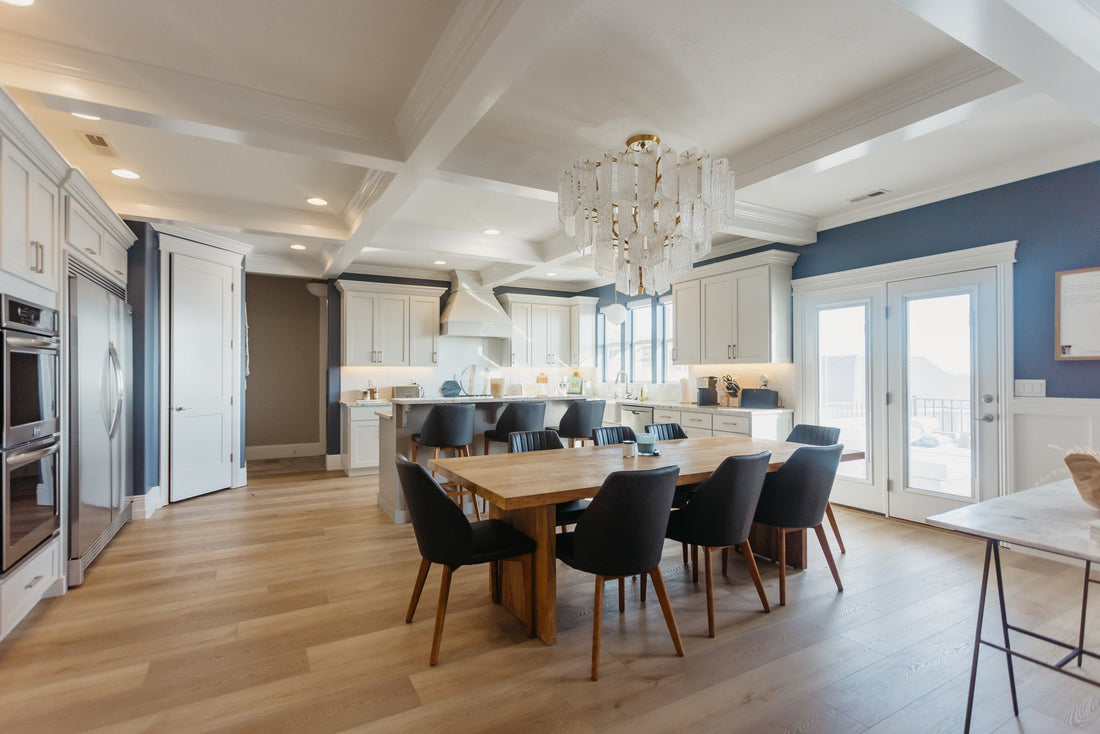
(279, 607)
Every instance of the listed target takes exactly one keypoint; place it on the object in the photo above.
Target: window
(642, 345)
(612, 349)
(671, 372)
(641, 342)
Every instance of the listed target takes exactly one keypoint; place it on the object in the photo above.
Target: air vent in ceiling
(869, 195)
(99, 144)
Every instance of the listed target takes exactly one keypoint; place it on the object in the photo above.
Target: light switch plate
(1031, 388)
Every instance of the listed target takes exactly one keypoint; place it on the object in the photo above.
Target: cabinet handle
(37, 248)
(119, 273)
(729, 351)
(435, 357)
(735, 351)
(89, 250)
(674, 354)
(513, 357)
(34, 582)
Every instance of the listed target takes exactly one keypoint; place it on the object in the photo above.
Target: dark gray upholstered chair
(622, 533)
(608, 435)
(580, 418)
(820, 436)
(566, 513)
(449, 426)
(719, 515)
(519, 416)
(795, 497)
(444, 536)
(666, 431)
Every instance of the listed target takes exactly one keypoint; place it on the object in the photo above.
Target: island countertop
(487, 399)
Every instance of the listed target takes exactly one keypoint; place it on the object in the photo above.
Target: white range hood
(473, 310)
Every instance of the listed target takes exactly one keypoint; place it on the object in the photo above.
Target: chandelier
(646, 212)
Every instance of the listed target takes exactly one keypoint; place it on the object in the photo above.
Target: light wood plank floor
(279, 607)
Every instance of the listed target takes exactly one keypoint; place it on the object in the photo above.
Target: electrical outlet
(1031, 388)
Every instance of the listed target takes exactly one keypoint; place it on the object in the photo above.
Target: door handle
(179, 408)
(987, 418)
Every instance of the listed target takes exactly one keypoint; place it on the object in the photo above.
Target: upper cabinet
(92, 230)
(389, 325)
(551, 332)
(735, 311)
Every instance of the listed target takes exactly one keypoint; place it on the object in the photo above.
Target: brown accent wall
(282, 390)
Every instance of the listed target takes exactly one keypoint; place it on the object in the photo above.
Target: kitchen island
(406, 416)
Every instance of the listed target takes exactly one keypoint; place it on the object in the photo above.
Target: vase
(1085, 470)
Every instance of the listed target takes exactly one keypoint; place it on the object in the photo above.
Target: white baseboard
(283, 451)
(143, 506)
(332, 462)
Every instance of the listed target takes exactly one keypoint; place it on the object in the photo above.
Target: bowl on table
(647, 443)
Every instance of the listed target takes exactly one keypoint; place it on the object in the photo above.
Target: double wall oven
(30, 439)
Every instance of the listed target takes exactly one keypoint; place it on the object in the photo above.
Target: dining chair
(666, 431)
(580, 418)
(820, 436)
(444, 536)
(449, 426)
(621, 534)
(517, 416)
(608, 435)
(795, 497)
(719, 515)
(565, 513)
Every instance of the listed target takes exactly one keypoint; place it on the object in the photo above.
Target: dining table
(524, 488)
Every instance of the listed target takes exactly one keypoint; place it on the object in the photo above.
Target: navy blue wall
(143, 295)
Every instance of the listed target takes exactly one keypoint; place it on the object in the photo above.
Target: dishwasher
(636, 418)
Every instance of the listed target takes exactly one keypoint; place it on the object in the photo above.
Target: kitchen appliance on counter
(759, 398)
(99, 415)
(708, 390)
(408, 391)
(29, 506)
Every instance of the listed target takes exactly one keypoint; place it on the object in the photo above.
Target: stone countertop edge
(695, 408)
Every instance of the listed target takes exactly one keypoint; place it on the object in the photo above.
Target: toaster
(406, 391)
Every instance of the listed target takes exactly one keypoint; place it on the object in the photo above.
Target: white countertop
(694, 408)
(488, 399)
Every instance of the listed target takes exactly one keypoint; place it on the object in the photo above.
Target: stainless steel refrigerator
(99, 422)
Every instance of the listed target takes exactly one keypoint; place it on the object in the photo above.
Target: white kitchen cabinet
(661, 415)
(687, 348)
(520, 313)
(388, 325)
(28, 219)
(582, 331)
(551, 332)
(699, 421)
(717, 296)
(92, 230)
(359, 448)
(37, 576)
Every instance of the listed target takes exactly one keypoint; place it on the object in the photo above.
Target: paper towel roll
(685, 390)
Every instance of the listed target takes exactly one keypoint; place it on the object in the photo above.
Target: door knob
(987, 418)
(178, 409)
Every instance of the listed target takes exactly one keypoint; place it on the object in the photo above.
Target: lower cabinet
(25, 585)
(770, 424)
(359, 439)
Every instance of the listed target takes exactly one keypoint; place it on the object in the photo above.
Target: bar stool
(449, 426)
(580, 418)
(520, 416)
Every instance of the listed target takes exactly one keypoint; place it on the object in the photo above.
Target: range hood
(473, 310)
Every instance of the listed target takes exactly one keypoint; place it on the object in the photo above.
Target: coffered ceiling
(424, 123)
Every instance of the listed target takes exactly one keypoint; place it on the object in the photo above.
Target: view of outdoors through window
(842, 395)
(641, 353)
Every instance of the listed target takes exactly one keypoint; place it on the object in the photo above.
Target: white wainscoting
(1038, 424)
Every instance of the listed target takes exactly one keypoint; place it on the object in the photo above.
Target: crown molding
(17, 127)
(781, 258)
(372, 287)
(391, 272)
(78, 187)
(204, 237)
(772, 225)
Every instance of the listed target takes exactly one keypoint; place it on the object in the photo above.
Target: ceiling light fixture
(491, 232)
(316, 201)
(439, 262)
(124, 173)
(551, 275)
(296, 246)
(18, 3)
(85, 116)
(646, 212)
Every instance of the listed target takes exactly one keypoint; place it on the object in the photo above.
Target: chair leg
(781, 536)
(836, 529)
(725, 561)
(820, 530)
(709, 571)
(694, 564)
(597, 608)
(644, 584)
(415, 445)
(662, 596)
(750, 561)
(421, 577)
(441, 613)
(685, 547)
(486, 452)
(622, 594)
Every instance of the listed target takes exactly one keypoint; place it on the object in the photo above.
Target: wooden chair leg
(421, 577)
(820, 530)
(694, 564)
(441, 613)
(750, 561)
(662, 596)
(709, 571)
(415, 445)
(643, 588)
(622, 594)
(596, 610)
(486, 452)
(836, 529)
(725, 561)
(781, 536)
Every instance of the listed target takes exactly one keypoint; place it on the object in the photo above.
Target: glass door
(943, 404)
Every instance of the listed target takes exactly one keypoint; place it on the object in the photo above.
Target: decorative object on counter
(685, 391)
(763, 380)
(759, 398)
(496, 387)
(645, 211)
(450, 389)
(647, 443)
(733, 391)
(575, 384)
(629, 449)
(542, 379)
(1085, 471)
(642, 394)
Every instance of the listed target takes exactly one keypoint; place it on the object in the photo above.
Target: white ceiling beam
(420, 238)
(1034, 41)
(771, 225)
(497, 187)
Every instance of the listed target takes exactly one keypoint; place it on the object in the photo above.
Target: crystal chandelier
(646, 211)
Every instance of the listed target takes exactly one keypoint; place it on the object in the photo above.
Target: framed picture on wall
(1077, 314)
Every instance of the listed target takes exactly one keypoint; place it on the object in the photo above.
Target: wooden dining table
(524, 489)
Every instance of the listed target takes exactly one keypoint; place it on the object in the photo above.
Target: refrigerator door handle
(120, 384)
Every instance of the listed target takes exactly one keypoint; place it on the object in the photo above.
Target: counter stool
(580, 418)
(519, 416)
(449, 426)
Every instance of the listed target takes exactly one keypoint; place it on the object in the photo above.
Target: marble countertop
(719, 409)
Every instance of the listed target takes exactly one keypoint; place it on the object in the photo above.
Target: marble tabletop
(1052, 518)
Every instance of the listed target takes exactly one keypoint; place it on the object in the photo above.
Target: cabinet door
(582, 335)
(753, 331)
(391, 330)
(28, 214)
(558, 335)
(114, 260)
(687, 323)
(81, 231)
(718, 296)
(521, 335)
(362, 444)
(42, 214)
(360, 313)
(539, 336)
(423, 330)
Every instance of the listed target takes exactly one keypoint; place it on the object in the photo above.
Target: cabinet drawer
(666, 416)
(733, 424)
(696, 420)
(22, 589)
(697, 432)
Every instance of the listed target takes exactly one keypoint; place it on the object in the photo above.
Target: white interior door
(944, 404)
(202, 358)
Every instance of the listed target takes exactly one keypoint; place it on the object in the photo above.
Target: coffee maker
(708, 390)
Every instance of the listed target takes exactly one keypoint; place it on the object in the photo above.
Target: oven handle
(47, 343)
(26, 456)
(120, 383)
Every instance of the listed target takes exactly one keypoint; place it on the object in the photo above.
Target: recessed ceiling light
(20, 3)
(296, 246)
(551, 275)
(490, 231)
(439, 262)
(124, 173)
(316, 201)
(84, 116)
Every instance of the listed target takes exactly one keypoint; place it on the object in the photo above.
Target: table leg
(1084, 610)
(977, 637)
(538, 523)
(1004, 626)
